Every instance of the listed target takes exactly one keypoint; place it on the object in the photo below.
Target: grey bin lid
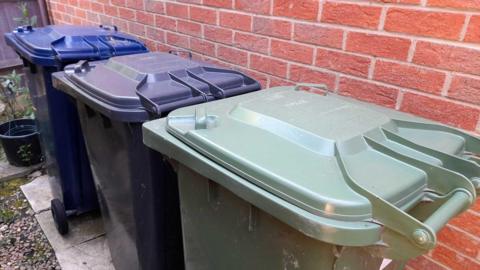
(128, 88)
(336, 158)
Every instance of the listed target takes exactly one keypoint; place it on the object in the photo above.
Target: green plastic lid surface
(302, 148)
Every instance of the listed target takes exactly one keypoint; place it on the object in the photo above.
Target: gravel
(23, 245)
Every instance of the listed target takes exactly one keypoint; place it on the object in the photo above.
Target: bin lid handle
(312, 85)
(404, 235)
(151, 106)
(109, 27)
(178, 52)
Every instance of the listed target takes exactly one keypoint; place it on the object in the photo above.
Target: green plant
(25, 152)
(15, 96)
(25, 19)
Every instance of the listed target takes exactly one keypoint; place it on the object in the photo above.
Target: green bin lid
(285, 143)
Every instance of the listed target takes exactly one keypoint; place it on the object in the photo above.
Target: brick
(218, 34)
(468, 221)
(459, 241)
(219, 3)
(202, 46)
(61, 7)
(272, 27)
(145, 17)
(268, 65)
(78, 21)
(274, 82)
(425, 23)
(97, 7)
(80, 13)
(177, 40)
(71, 10)
(291, 51)
(378, 45)
(190, 1)
(165, 23)
(318, 35)
(465, 89)
(84, 5)
(203, 15)
(176, 10)
(126, 13)
(351, 14)
(309, 75)
(453, 260)
(189, 28)
(298, 9)
(404, 75)
(473, 30)
(253, 6)
(250, 42)
(447, 57)
(136, 29)
(155, 34)
(407, 2)
(236, 21)
(119, 3)
(120, 23)
(343, 62)
(233, 56)
(157, 7)
(161, 47)
(135, 4)
(424, 263)
(459, 4)
(369, 92)
(111, 11)
(449, 113)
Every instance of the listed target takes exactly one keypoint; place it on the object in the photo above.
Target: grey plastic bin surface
(285, 179)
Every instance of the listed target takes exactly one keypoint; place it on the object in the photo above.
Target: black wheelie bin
(137, 188)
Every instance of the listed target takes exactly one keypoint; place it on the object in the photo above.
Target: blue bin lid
(57, 45)
(137, 87)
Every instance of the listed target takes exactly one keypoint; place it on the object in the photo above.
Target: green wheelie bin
(286, 179)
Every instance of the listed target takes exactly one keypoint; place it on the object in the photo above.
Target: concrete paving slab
(91, 255)
(38, 193)
(9, 172)
(81, 229)
(84, 247)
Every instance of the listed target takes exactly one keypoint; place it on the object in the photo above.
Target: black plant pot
(21, 143)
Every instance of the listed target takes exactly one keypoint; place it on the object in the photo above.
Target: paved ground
(84, 247)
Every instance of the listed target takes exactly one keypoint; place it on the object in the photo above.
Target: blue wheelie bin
(47, 50)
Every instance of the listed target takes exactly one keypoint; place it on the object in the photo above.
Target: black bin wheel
(59, 216)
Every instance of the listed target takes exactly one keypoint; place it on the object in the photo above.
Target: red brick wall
(418, 56)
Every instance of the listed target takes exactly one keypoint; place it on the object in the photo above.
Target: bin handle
(79, 67)
(459, 200)
(404, 236)
(177, 52)
(312, 85)
(109, 27)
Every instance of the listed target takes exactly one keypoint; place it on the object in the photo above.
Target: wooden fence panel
(9, 9)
